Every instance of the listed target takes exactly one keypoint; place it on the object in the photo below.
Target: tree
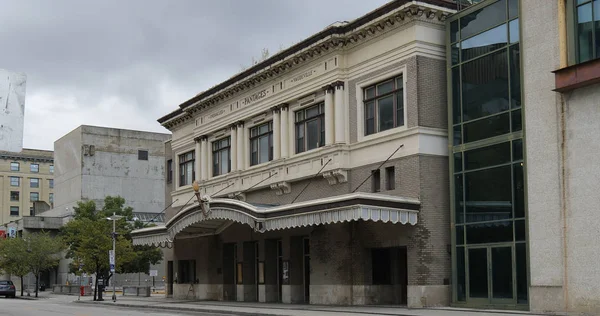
(89, 239)
(43, 253)
(13, 258)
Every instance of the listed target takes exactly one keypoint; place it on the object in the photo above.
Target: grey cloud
(150, 55)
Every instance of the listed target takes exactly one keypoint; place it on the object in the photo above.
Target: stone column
(276, 133)
(176, 167)
(329, 121)
(242, 140)
(198, 160)
(246, 160)
(204, 158)
(233, 148)
(340, 113)
(284, 130)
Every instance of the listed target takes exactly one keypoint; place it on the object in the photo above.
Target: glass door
(491, 275)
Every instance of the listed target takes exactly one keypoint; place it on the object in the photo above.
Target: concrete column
(204, 158)
(284, 131)
(198, 160)
(176, 167)
(242, 140)
(329, 121)
(276, 133)
(340, 113)
(234, 148)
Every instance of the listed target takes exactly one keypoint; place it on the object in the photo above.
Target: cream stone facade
(322, 171)
(25, 177)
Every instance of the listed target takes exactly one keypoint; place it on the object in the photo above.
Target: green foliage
(89, 237)
(34, 253)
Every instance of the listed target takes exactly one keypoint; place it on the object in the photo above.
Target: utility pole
(113, 260)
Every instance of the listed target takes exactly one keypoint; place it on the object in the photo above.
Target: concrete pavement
(246, 308)
(158, 304)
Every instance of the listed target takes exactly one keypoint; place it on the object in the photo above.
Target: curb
(174, 308)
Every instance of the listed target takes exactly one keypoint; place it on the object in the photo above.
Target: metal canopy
(197, 221)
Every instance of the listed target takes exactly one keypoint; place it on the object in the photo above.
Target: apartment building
(321, 172)
(26, 177)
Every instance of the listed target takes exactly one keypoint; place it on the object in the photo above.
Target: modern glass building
(489, 212)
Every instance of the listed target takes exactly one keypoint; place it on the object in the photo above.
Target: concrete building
(523, 101)
(323, 171)
(26, 177)
(12, 115)
(95, 162)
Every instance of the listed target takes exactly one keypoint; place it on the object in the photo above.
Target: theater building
(322, 171)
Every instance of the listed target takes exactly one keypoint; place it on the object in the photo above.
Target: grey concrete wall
(542, 152)
(114, 169)
(67, 170)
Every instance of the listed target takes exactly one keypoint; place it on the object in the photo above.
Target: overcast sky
(125, 63)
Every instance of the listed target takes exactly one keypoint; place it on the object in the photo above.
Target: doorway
(229, 272)
(306, 266)
(170, 278)
(490, 274)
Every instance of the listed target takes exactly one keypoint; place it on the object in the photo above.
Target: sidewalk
(247, 308)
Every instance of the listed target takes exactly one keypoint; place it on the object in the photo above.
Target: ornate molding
(281, 188)
(336, 176)
(337, 41)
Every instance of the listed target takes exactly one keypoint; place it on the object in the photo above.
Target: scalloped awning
(211, 219)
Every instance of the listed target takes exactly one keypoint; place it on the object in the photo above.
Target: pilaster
(197, 159)
(284, 130)
(276, 133)
(340, 113)
(242, 149)
(234, 148)
(329, 115)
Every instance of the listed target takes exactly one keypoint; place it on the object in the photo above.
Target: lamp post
(113, 269)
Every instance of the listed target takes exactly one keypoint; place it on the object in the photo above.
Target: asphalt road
(51, 307)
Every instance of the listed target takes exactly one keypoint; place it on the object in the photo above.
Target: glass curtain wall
(488, 210)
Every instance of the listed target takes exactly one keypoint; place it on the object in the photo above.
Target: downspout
(562, 38)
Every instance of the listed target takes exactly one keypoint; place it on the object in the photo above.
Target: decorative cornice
(324, 42)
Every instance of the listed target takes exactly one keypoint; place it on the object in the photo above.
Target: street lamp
(114, 219)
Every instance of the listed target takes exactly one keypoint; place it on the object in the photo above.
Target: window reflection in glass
(484, 43)
(513, 27)
(485, 86)
(585, 31)
(486, 128)
(483, 19)
(488, 194)
(487, 156)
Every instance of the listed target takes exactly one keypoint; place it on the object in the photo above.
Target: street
(65, 306)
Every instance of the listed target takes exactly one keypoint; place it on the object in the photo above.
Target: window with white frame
(34, 183)
(35, 168)
(261, 143)
(14, 166)
(384, 105)
(34, 196)
(221, 150)
(14, 211)
(51, 169)
(310, 128)
(186, 168)
(15, 181)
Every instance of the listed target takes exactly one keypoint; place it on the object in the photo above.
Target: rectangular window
(221, 156)
(51, 169)
(34, 196)
(310, 128)
(51, 183)
(142, 155)
(14, 211)
(390, 178)
(15, 181)
(375, 181)
(35, 168)
(34, 183)
(14, 196)
(31, 211)
(384, 105)
(14, 166)
(51, 198)
(186, 168)
(587, 17)
(381, 260)
(169, 171)
(261, 143)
